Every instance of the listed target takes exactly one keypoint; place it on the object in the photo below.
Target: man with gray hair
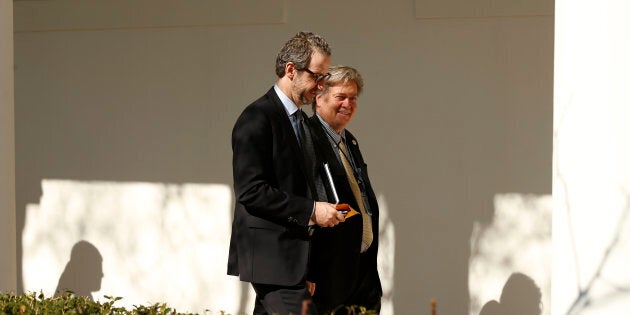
(275, 205)
(342, 268)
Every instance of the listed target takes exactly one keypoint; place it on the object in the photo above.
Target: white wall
(7, 151)
(457, 108)
(591, 182)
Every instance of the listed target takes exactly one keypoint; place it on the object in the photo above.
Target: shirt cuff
(310, 221)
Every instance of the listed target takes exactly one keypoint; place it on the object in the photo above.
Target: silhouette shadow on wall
(83, 273)
(520, 296)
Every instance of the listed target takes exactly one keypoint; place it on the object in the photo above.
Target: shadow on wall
(84, 271)
(516, 246)
(160, 242)
(520, 296)
(591, 271)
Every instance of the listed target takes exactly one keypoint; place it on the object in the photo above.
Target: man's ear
(318, 98)
(289, 70)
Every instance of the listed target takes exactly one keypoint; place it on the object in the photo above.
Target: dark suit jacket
(269, 242)
(342, 274)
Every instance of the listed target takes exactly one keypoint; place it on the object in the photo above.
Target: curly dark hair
(299, 50)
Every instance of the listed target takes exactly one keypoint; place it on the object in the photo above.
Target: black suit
(270, 241)
(342, 274)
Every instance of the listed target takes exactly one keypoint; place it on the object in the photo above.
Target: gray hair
(341, 75)
(299, 50)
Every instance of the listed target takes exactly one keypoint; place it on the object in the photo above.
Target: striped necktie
(356, 191)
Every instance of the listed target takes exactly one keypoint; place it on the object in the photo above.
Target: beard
(306, 98)
(305, 91)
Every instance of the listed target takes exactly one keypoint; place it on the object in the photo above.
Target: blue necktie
(296, 120)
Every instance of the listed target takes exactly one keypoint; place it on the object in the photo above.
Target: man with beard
(275, 200)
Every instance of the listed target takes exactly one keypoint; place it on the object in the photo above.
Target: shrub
(352, 310)
(37, 304)
(70, 304)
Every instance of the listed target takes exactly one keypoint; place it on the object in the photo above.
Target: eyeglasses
(318, 77)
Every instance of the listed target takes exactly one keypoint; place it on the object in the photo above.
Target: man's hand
(311, 287)
(326, 215)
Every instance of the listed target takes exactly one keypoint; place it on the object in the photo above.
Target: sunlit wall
(510, 262)
(158, 243)
(591, 184)
(147, 243)
(456, 110)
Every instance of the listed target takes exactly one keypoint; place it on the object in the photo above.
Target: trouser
(282, 300)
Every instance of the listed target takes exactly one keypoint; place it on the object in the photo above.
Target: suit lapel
(288, 134)
(285, 123)
(358, 157)
(336, 168)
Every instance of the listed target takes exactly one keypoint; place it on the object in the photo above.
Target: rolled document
(332, 184)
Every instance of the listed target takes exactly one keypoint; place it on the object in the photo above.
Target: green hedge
(38, 304)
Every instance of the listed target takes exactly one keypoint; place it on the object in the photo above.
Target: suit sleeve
(256, 184)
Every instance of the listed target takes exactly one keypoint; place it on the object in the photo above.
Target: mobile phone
(343, 208)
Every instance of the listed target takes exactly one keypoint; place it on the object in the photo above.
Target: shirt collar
(288, 104)
(336, 137)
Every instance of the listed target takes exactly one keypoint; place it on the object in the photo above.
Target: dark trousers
(282, 300)
(366, 291)
(366, 295)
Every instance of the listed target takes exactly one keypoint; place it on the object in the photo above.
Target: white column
(7, 151)
(591, 182)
